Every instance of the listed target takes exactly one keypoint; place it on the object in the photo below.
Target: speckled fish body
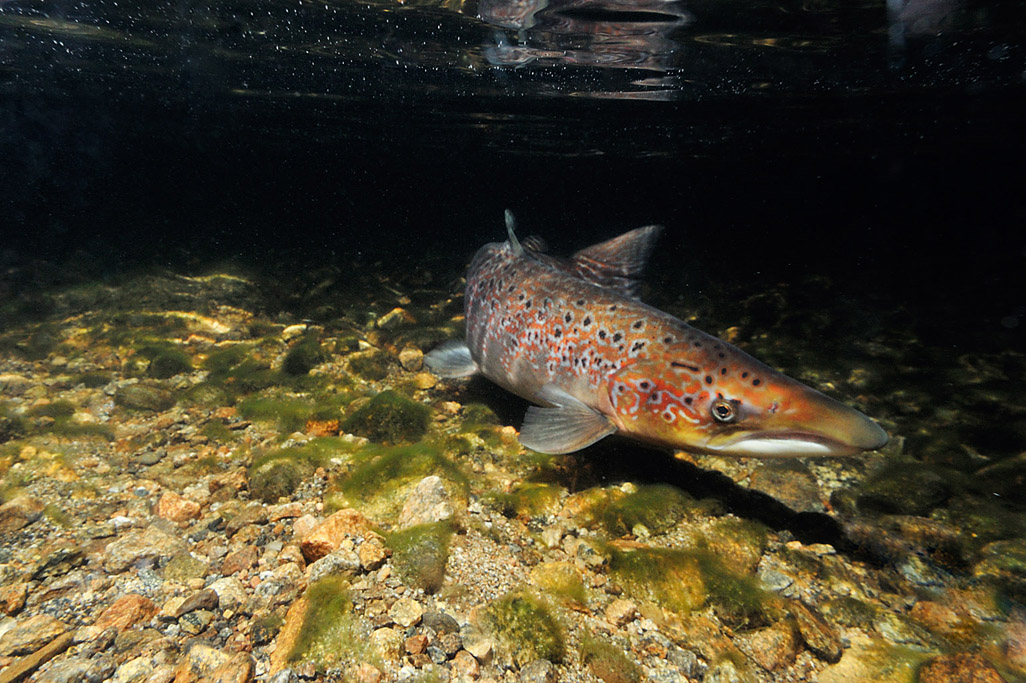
(571, 336)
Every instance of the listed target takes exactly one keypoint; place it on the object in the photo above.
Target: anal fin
(566, 426)
(451, 359)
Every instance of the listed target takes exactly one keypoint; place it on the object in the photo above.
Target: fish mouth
(798, 443)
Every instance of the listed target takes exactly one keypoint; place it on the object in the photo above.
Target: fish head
(737, 407)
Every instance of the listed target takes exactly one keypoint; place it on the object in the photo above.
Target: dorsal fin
(511, 227)
(618, 263)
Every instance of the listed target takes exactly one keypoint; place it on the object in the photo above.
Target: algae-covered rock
(144, 397)
(670, 578)
(372, 365)
(303, 357)
(278, 479)
(526, 628)
(389, 418)
(905, 488)
(608, 661)
(167, 363)
(420, 553)
(331, 633)
(560, 579)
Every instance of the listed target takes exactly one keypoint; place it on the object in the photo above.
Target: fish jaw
(778, 418)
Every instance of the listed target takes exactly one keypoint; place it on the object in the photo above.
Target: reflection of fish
(572, 336)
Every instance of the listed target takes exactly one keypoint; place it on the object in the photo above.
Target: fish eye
(724, 410)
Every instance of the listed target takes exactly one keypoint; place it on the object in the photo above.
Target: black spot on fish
(722, 355)
(667, 340)
(617, 337)
(643, 385)
(557, 333)
(521, 296)
(638, 324)
(613, 307)
(756, 382)
(527, 304)
(698, 345)
(708, 379)
(568, 317)
(580, 302)
(678, 364)
(586, 321)
(723, 371)
(687, 399)
(602, 334)
(744, 375)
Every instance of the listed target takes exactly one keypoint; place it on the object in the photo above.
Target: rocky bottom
(198, 488)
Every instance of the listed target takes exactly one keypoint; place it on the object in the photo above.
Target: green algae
(527, 499)
(303, 357)
(527, 627)
(389, 418)
(92, 380)
(144, 398)
(218, 432)
(420, 553)
(290, 414)
(58, 410)
(607, 661)
(685, 580)
(658, 508)
(278, 473)
(371, 365)
(909, 488)
(331, 633)
(381, 470)
(166, 361)
(561, 580)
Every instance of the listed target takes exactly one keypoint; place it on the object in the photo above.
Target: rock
(960, 667)
(538, 671)
(238, 669)
(12, 597)
(144, 397)
(368, 673)
(415, 645)
(31, 634)
(196, 621)
(205, 599)
(198, 663)
(440, 623)
(424, 380)
(341, 562)
(791, 483)
(406, 612)
(21, 669)
(19, 513)
(871, 661)
(464, 664)
(389, 418)
(387, 645)
(372, 554)
(620, 612)
(772, 648)
(288, 635)
(293, 331)
(822, 638)
(68, 670)
(394, 319)
(231, 594)
(140, 547)
(183, 567)
(478, 644)
(428, 502)
(251, 514)
(411, 358)
(331, 532)
(303, 525)
(176, 508)
(243, 558)
(123, 613)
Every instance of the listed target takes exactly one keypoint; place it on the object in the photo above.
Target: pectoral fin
(567, 426)
(451, 359)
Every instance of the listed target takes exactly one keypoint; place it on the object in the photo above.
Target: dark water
(846, 176)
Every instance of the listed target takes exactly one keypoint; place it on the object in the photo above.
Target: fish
(573, 337)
